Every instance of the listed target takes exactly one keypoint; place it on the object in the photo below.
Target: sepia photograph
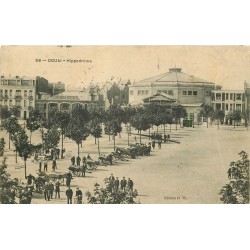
(124, 124)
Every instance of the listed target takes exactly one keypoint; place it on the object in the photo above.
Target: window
(25, 103)
(31, 103)
(218, 96)
(146, 92)
(194, 92)
(18, 103)
(11, 93)
(226, 106)
(171, 92)
(226, 96)
(189, 92)
(18, 92)
(231, 106)
(131, 92)
(139, 92)
(5, 103)
(231, 96)
(142, 92)
(238, 97)
(238, 107)
(184, 92)
(223, 96)
(25, 93)
(30, 93)
(10, 103)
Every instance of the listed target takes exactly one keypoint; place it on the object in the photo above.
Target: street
(191, 172)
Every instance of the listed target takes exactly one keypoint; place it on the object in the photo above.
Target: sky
(228, 66)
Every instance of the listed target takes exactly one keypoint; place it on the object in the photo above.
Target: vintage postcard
(124, 124)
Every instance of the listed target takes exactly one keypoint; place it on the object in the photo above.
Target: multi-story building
(18, 91)
(189, 91)
(68, 100)
(228, 100)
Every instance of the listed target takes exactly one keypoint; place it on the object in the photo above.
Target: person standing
(130, 185)
(69, 194)
(51, 189)
(84, 167)
(57, 185)
(73, 160)
(45, 166)
(29, 196)
(78, 196)
(78, 161)
(153, 144)
(46, 191)
(54, 165)
(123, 184)
(68, 179)
(117, 183)
(159, 144)
(112, 181)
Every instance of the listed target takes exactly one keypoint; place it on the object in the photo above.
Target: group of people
(123, 184)
(78, 195)
(76, 161)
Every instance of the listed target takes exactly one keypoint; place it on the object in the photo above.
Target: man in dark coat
(123, 184)
(78, 161)
(84, 167)
(73, 160)
(112, 181)
(57, 184)
(69, 194)
(117, 183)
(46, 191)
(29, 196)
(78, 196)
(68, 179)
(130, 184)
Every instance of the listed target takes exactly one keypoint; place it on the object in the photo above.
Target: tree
(107, 195)
(235, 116)
(207, 112)
(178, 112)
(2, 145)
(140, 122)
(51, 139)
(62, 120)
(237, 190)
(112, 127)
(218, 115)
(34, 121)
(78, 129)
(11, 125)
(7, 195)
(96, 130)
(23, 147)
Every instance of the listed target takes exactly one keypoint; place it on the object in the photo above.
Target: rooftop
(174, 75)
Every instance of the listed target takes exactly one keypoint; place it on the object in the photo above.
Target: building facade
(68, 100)
(228, 100)
(18, 91)
(189, 91)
